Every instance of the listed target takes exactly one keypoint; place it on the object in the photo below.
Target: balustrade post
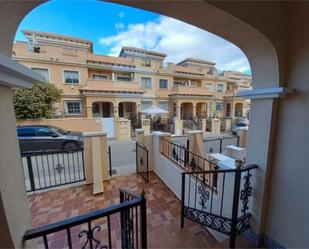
(30, 170)
(183, 189)
(143, 216)
(237, 181)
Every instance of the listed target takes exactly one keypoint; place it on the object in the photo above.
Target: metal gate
(142, 167)
(43, 170)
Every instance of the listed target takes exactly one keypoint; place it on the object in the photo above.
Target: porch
(163, 214)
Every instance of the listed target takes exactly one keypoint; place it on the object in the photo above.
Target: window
(220, 88)
(163, 84)
(72, 107)
(163, 105)
(71, 77)
(26, 132)
(219, 106)
(146, 63)
(145, 104)
(123, 78)
(43, 132)
(43, 72)
(99, 77)
(146, 82)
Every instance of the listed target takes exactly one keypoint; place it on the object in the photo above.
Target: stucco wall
(288, 215)
(14, 210)
(70, 124)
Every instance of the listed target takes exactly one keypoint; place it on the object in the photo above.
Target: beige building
(104, 86)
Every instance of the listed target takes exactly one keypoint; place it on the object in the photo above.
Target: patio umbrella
(153, 110)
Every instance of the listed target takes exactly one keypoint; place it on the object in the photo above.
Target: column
(178, 111)
(89, 111)
(113, 77)
(194, 111)
(116, 111)
(95, 158)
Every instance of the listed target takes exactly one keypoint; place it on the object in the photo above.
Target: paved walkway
(163, 214)
(123, 156)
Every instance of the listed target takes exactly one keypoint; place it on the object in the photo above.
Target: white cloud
(121, 14)
(119, 25)
(179, 41)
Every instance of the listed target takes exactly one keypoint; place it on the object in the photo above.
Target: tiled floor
(163, 213)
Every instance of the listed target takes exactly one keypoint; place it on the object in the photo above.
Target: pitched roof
(58, 36)
(141, 50)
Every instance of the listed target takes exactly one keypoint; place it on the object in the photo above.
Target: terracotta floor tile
(163, 213)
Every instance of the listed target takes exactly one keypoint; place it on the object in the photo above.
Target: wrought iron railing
(44, 170)
(225, 207)
(133, 226)
(217, 145)
(142, 161)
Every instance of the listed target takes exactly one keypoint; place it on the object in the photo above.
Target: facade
(104, 86)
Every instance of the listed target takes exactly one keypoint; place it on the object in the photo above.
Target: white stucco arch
(261, 53)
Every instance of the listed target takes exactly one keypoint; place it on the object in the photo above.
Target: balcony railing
(132, 211)
(112, 86)
(191, 90)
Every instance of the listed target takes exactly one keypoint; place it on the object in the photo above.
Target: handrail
(193, 153)
(51, 152)
(71, 222)
(242, 169)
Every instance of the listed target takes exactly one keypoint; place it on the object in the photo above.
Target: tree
(35, 102)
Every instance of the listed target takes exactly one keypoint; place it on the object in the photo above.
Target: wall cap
(140, 130)
(94, 134)
(161, 134)
(195, 132)
(265, 93)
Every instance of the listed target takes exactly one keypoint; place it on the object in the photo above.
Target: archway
(201, 110)
(228, 110)
(186, 110)
(261, 53)
(238, 110)
(103, 109)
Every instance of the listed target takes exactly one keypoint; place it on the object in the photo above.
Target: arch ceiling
(261, 53)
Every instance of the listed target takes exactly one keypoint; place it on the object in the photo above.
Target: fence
(187, 159)
(43, 170)
(224, 207)
(98, 229)
(217, 145)
(142, 167)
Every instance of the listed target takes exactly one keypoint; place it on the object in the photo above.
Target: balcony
(95, 85)
(191, 91)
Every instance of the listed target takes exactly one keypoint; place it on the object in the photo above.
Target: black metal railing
(218, 145)
(225, 207)
(188, 160)
(142, 161)
(133, 226)
(43, 170)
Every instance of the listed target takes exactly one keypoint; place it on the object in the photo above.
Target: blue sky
(111, 26)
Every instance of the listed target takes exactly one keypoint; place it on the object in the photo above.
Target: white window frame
(219, 90)
(124, 76)
(65, 102)
(221, 103)
(143, 84)
(142, 107)
(165, 102)
(45, 68)
(167, 83)
(99, 74)
(72, 70)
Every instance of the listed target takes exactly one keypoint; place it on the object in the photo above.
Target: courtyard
(163, 214)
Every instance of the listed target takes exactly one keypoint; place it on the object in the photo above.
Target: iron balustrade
(133, 226)
(224, 208)
(217, 145)
(142, 161)
(43, 170)
(187, 159)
